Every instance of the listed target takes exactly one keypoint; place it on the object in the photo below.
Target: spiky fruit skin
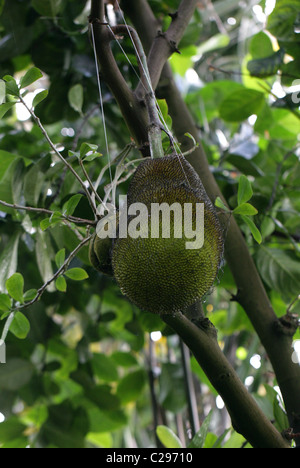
(159, 274)
(100, 252)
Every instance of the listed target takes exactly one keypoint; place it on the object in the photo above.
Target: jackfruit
(100, 254)
(161, 275)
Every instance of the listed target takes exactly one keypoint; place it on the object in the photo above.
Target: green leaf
(15, 287)
(239, 105)
(11, 428)
(60, 258)
(245, 209)
(75, 97)
(30, 77)
(61, 284)
(167, 437)
(4, 108)
(47, 7)
(77, 274)
(199, 438)
(2, 91)
(260, 45)
(15, 374)
(40, 97)
(30, 295)
(131, 386)
(254, 230)
(5, 302)
(282, 20)
(104, 368)
(266, 66)
(11, 85)
(20, 326)
(245, 191)
(86, 148)
(71, 205)
(44, 224)
(280, 269)
(220, 204)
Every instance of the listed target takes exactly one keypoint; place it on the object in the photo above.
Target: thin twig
(60, 156)
(43, 288)
(72, 219)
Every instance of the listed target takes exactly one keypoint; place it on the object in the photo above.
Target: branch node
(287, 324)
(173, 15)
(205, 324)
(172, 44)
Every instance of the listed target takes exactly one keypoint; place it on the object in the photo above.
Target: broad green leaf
(245, 209)
(104, 368)
(172, 395)
(167, 437)
(2, 91)
(47, 7)
(239, 105)
(245, 191)
(20, 326)
(180, 63)
(103, 440)
(282, 20)
(40, 97)
(30, 295)
(9, 260)
(86, 148)
(15, 374)
(4, 108)
(15, 287)
(75, 97)
(266, 66)
(254, 230)
(5, 302)
(77, 274)
(280, 269)
(60, 258)
(11, 85)
(30, 77)
(131, 386)
(106, 421)
(199, 438)
(70, 206)
(11, 428)
(220, 204)
(61, 284)
(44, 224)
(124, 359)
(260, 45)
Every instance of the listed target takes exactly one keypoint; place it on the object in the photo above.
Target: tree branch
(59, 155)
(43, 288)
(247, 417)
(133, 111)
(31, 209)
(252, 294)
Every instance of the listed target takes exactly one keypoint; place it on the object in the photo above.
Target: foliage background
(82, 369)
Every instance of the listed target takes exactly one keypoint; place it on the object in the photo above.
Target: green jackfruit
(100, 254)
(161, 275)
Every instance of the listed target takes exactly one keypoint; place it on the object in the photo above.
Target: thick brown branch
(246, 415)
(252, 294)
